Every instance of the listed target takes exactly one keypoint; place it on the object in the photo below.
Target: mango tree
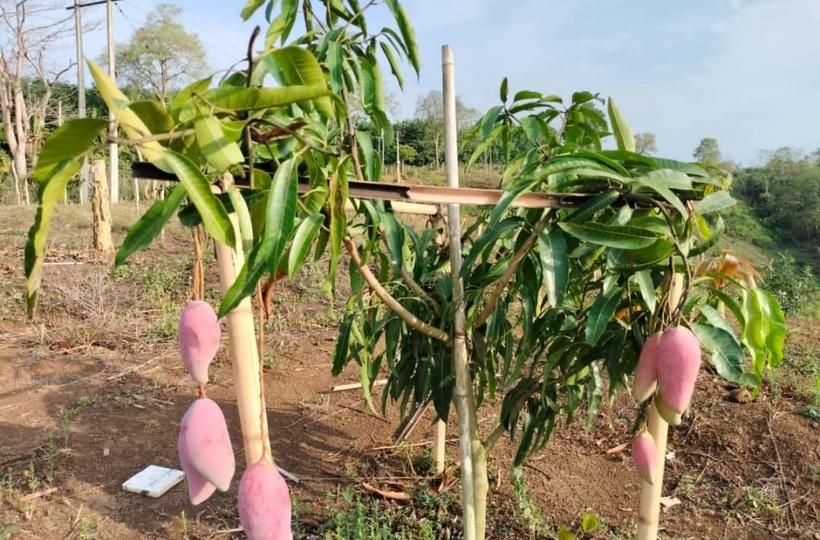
(555, 300)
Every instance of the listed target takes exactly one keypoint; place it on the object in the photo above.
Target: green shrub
(794, 286)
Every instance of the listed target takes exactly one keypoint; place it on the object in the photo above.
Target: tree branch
(501, 284)
(389, 301)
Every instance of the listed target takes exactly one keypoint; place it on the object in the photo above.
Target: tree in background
(161, 56)
(429, 109)
(645, 143)
(30, 29)
(707, 151)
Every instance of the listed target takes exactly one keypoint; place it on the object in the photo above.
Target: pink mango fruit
(678, 359)
(204, 444)
(199, 489)
(646, 374)
(199, 334)
(264, 503)
(671, 417)
(645, 456)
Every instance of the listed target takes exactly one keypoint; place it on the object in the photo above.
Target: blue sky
(743, 71)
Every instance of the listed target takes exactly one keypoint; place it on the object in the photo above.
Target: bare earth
(94, 392)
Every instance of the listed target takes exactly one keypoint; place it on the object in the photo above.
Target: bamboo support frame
(462, 393)
(651, 493)
(245, 357)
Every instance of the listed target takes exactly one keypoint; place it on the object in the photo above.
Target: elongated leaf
(279, 217)
(148, 227)
(616, 236)
(281, 26)
(249, 99)
(600, 313)
(727, 356)
(69, 142)
(593, 206)
(652, 182)
(302, 242)
(250, 8)
(372, 161)
(394, 235)
(340, 351)
(623, 135)
(128, 120)
(714, 202)
(219, 152)
(776, 335)
(210, 208)
(484, 145)
(243, 217)
(552, 248)
(488, 120)
(393, 61)
(153, 115)
(296, 66)
(60, 159)
(408, 34)
(647, 288)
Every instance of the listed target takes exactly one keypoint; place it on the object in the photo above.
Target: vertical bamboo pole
(651, 494)
(439, 438)
(462, 392)
(245, 357)
(659, 429)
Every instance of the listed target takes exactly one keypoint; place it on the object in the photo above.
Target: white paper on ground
(153, 481)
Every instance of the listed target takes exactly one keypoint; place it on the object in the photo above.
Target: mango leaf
(552, 248)
(127, 119)
(587, 210)
(219, 152)
(250, 8)
(655, 184)
(487, 122)
(211, 210)
(372, 161)
(296, 66)
(647, 288)
(281, 26)
(714, 202)
(394, 235)
(393, 61)
(600, 313)
(502, 91)
(727, 356)
(623, 135)
(776, 335)
(60, 159)
(250, 99)
(148, 227)
(153, 115)
(302, 241)
(279, 216)
(342, 343)
(408, 34)
(615, 236)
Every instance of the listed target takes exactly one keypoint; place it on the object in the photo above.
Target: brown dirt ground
(95, 391)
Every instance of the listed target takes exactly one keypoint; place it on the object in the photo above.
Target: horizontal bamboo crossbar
(415, 193)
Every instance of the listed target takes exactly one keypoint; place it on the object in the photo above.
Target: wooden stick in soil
(462, 391)
(244, 356)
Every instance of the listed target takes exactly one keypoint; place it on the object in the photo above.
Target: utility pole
(113, 149)
(78, 34)
(112, 128)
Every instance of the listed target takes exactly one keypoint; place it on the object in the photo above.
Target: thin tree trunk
(651, 494)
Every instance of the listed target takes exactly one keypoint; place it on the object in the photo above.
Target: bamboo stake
(462, 391)
(244, 356)
(439, 444)
(651, 494)
(659, 429)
